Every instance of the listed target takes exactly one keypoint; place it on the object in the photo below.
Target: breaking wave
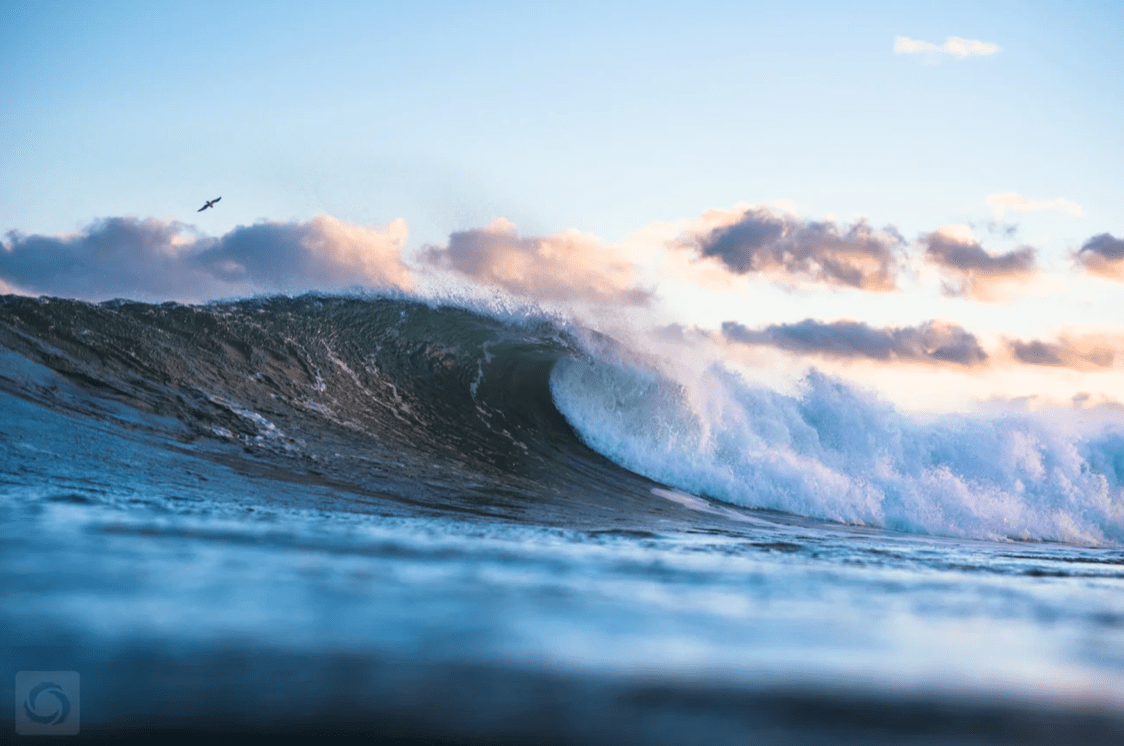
(445, 408)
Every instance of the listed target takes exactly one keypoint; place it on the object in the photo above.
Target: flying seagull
(210, 203)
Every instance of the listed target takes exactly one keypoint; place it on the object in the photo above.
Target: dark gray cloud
(970, 269)
(154, 259)
(1080, 354)
(761, 241)
(1103, 254)
(931, 342)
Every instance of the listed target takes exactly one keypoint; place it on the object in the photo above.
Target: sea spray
(838, 453)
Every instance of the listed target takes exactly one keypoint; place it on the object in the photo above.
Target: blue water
(378, 517)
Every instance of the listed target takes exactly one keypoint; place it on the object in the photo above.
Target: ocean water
(421, 522)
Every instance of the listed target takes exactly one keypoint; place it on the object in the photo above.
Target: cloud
(322, 254)
(1079, 354)
(931, 342)
(1004, 201)
(1103, 254)
(112, 257)
(972, 271)
(156, 259)
(567, 266)
(954, 46)
(760, 240)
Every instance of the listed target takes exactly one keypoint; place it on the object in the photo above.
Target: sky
(908, 194)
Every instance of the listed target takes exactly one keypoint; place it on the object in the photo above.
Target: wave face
(380, 398)
(443, 408)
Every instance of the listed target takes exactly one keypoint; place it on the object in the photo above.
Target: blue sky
(600, 116)
(414, 126)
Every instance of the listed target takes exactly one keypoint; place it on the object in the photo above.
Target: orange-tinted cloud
(1090, 353)
(971, 271)
(1103, 255)
(763, 241)
(323, 254)
(567, 266)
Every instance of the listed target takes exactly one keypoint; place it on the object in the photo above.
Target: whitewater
(437, 520)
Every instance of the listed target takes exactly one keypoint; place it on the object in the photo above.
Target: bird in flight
(210, 203)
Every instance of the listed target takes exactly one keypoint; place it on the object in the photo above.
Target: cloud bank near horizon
(162, 259)
(167, 260)
(151, 259)
(626, 288)
(932, 342)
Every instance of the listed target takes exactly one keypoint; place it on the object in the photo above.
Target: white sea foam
(837, 453)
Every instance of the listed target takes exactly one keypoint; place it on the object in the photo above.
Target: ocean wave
(378, 397)
(459, 409)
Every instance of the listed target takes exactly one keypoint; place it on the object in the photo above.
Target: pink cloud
(972, 271)
(1103, 255)
(566, 266)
